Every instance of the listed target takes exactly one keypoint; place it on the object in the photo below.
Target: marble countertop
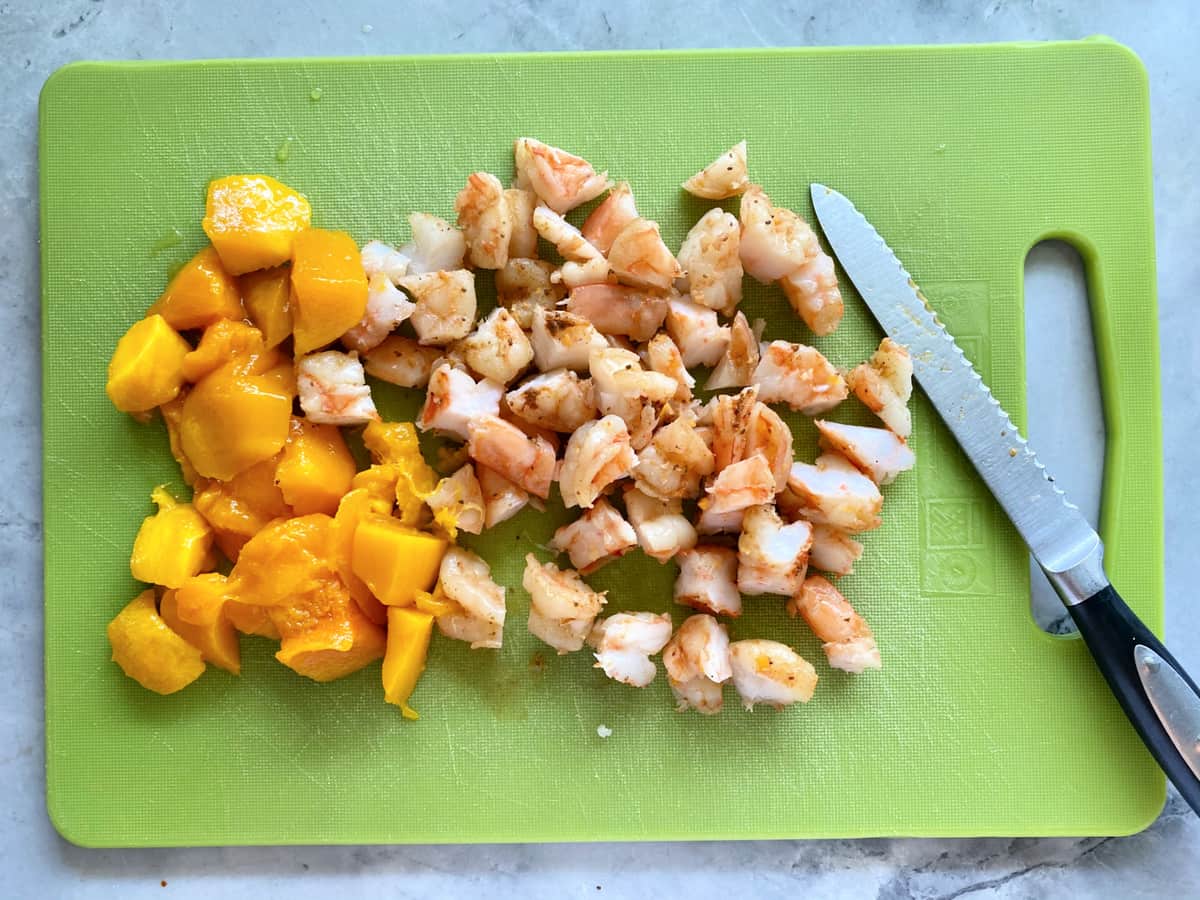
(38, 37)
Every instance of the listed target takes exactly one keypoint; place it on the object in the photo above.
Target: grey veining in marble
(37, 37)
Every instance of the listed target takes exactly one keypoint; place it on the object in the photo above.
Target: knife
(1158, 696)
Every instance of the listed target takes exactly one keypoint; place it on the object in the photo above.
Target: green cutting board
(979, 724)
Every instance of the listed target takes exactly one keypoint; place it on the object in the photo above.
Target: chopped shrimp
(523, 285)
(772, 673)
(884, 384)
(772, 556)
(454, 400)
(403, 361)
(436, 245)
(732, 417)
(380, 259)
(812, 290)
(558, 400)
(833, 492)
(775, 242)
(726, 176)
(525, 460)
(697, 661)
(387, 307)
(445, 305)
(616, 309)
(522, 244)
(584, 263)
(623, 388)
(624, 643)
(485, 219)
(662, 530)
(728, 522)
(333, 389)
(497, 349)
(457, 503)
(876, 451)
(563, 340)
(560, 179)
(771, 439)
(467, 580)
(550, 437)
(562, 607)
(597, 537)
(597, 454)
(799, 376)
(708, 580)
(662, 355)
(848, 642)
(675, 461)
(740, 485)
(833, 550)
(639, 257)
(712, 269)
(607, 220)
(695, 329)
(502, 499)
(736, 368)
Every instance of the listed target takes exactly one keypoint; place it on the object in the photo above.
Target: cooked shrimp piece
(379, 258)
(662, 529)
(884, 384)
(525, 460)
(497, 349)
(876, 451)
(445, 305)
(623, 388)
(848, 642)
(712, 268)
(737, 365)
(561, 180)
(799, 376)
(740, 485)
(562, 607)
(726, 176)
(697, 661)
(502, 499)
(624, 643)
(457, 503)
(772, 556)
(607, 220)
(597, 454)
(403, 361)
(485, 219)
(333, 389)
(707, 580)
(695, 329)
(436, 245)
(619, 310)
(639, 257)
(775, 241)
(558, 400)
(770, 437)
(467, 580)
(833, 492)
(387, 307)
(662, 355)
(584, 263)
(523, 285)
(813, 292)
(675, 461)
(833, 550)
(732, 418)
(522, 243)
(770, 672)
(597, 537)
(728, 522)
(563, 340)
(454, 400)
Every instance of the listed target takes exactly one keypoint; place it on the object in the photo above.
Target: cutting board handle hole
(1065, 409)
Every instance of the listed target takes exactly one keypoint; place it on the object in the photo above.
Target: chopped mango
(392, 442)
(238, 509)
(394, 560)
(380, 484)
(394, 447)
(146, 369)
(325, 635)
(408, 635)
(437, 603)
(329, 288)
(172, 545)
(201, 599)
(287, 559)
(227, 341)
(253, 220)
(217, 640)
(282, 377)
(172, 414)
(353, 506)
(250, 619)
(316, 468)
(267, 298)
(149, 652)
(201, 293)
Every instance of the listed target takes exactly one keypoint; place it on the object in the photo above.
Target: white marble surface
(37, 37)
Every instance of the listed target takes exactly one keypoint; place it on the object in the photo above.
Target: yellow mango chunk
(172, 545)
(329, 288)
(437, 603)
(250, 619)
(353, 507)
(172, 414)
(394, 447)
(326, 636)
(395, 561)
(200, 293)
(287, 559)
(227, 341)
(217, 640)
(408, 635)
(201, 599)
(267, 298)
(282, 377)
(316, 468)
(252, 221)
(146, 369)
(380, 484)
(238, 509)
(149, 652)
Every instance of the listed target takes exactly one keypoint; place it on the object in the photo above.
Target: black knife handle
(1158, 696)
